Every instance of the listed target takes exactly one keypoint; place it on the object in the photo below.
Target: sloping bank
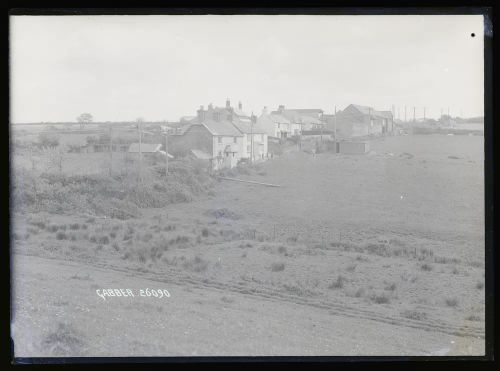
(117, 196)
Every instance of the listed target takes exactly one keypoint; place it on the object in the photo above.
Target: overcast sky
(164, 67)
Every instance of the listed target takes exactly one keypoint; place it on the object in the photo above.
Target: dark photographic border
(425, 7)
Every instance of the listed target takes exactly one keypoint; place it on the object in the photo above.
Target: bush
(451, 302)
(338, 283)
(61, 235)
(48, 140)
(277, 267)
(104, 240)
(380, 298)
(426, 267)
(117, 197)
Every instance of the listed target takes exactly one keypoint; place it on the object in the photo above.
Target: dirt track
(179, 325)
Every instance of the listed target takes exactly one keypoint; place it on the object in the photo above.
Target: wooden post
(335, 128)
(110, 150)
(140, 149)
(251, 139)
(166, 152)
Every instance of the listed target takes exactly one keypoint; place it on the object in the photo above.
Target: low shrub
(61, 235)
(338, 283)
(380, 298)
(277, 267)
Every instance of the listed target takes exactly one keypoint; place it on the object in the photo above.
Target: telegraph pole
(424, 113)
(405, 113)
(413, 113)
(335, 127)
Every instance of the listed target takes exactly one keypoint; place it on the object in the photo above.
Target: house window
(219, 140)
(234, 139)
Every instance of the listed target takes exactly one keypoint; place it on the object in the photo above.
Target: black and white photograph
(209, 185)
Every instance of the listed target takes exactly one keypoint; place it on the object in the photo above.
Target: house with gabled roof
(301, 118)
(275, 125)
(357, 121)
(212, 132)
(254, 138)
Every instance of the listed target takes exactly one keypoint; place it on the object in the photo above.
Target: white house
(275, 125)
(254, 138)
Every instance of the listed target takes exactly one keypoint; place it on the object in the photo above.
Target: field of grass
(391, 243)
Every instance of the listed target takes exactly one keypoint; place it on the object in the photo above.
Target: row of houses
(227, 135)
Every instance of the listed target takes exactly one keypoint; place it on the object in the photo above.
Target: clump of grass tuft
(61, 235)
(282, 250)
(359, 293)
(473, 317)
(112, 234)
(74, 226)
(426, 267)
(40, 224)
(351, 268)
(338, 283)
(53, 228)
(204, 232)
(64, 340)
(391, 287)
(32, 230)
(147, 237)
(380, 298)
(277, 267)
(104, 240)
(451, 302)
(197, 264)
(116, 246)
(414, 314)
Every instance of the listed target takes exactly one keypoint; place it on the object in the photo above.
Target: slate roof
(246, 127)
(222, 128)
(366, 110)
(277, 118)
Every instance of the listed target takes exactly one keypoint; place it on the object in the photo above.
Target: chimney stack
(281, 108)
(201, 114)
(228, 103)
(240, 106)
(264, 111)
